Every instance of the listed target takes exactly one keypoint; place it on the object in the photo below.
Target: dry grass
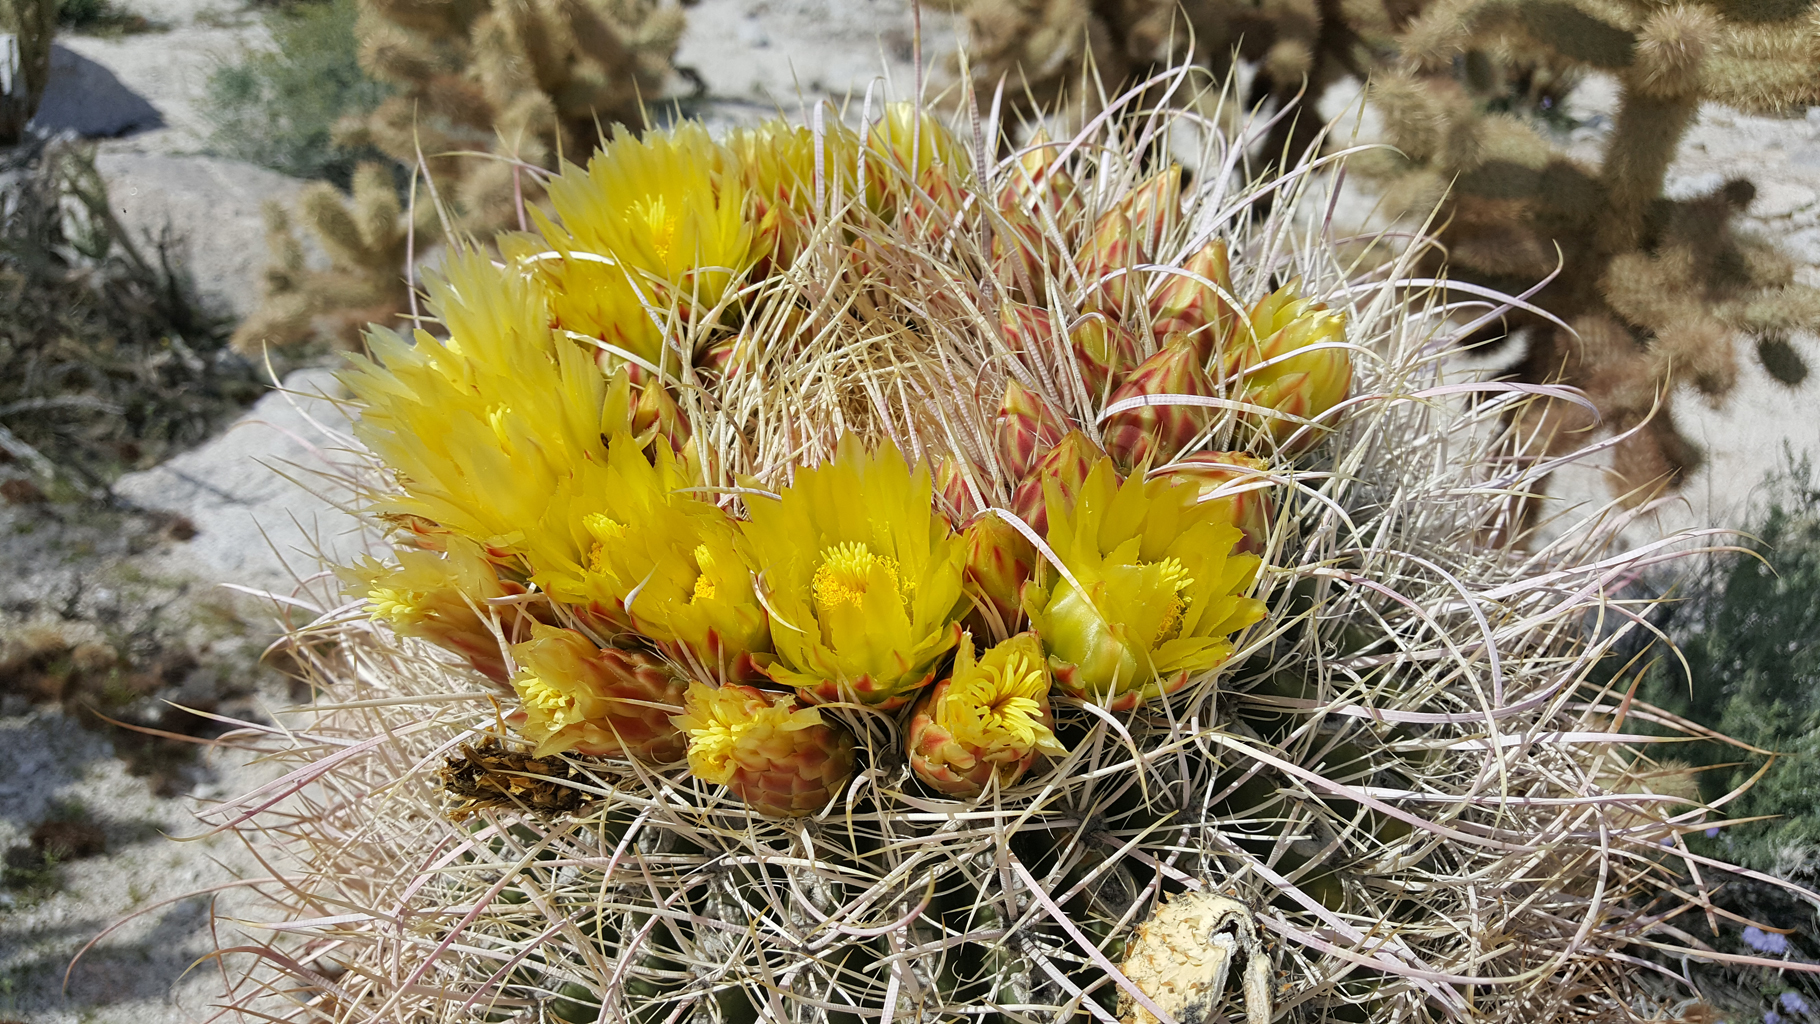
(1405, 772)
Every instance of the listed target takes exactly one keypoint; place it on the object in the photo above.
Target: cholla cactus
(523, 80)
(365, 237)
(1651, 291)
(921, 801)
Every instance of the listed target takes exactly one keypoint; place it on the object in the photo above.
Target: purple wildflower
(1772, 1017)
(1793, 1003)
(1765, 942)
(1712, 833)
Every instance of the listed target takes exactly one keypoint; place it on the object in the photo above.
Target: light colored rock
(214, 206)
(170, 70)
(270, 497)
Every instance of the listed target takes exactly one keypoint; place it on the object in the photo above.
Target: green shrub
(278, 107)
(1750, 634)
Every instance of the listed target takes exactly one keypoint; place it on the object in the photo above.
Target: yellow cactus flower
(783, 760)
(1160, 591)
(481, 427)
(590, 295)
(635, 552)
(989, 719)
(441, 596)
(862, 577)
(1303, 386)
(600, 702)
(658, 210)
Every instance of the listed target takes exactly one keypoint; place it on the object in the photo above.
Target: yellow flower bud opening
(996, 708)
(724, 724)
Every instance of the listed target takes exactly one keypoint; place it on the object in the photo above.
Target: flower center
(704, 587)
(1174, 575)
(846, 573)
(559, 706)
(662, 224)
(993, 706)
(604, 530)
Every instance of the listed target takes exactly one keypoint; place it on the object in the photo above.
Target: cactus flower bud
(952, 495)
(656, 416)
(1000, 560)
(1027, 328)
(601, 702)
(1027, 427)
(782, 759)
(1186, 306)
(988, 720)
(1151, 434)
(1153, 206)
(441, 596)
(1304, 385)
(1212, 473)
(1066, 465)
(1105, 261)
(1103, 350)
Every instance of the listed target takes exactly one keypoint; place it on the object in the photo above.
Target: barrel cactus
(957, 587)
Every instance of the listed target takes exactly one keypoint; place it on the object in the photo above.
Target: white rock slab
(271, 497)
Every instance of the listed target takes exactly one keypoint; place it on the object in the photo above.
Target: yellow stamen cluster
(844, 575)
(1175, 575)
(997, 707)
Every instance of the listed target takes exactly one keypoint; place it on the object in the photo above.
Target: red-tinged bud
(656, 415)
(985, 723)
(951, 489)
(1104, 351)
(1231, 480)
(1019, 259)
(1105, 262)
(1153, 434)
(1187, 306)
(1068, 464)
(1036, 184)
(1027, 427)
(1153, 206)
(999, 561)
(594, 701)
(936, 202)
(1028, 329)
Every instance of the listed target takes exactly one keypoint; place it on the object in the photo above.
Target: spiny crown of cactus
(890, 601)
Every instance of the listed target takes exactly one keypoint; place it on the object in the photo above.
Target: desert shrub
(1750, 636)
(107, 360)
(278, 107)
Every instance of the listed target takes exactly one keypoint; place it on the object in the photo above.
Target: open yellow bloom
(636, 552)
(601, 702)
(662, 212)
(989, 719)
(863, 579)
(1160, 595)
(442, 597)
(782, 759)
(483, 426)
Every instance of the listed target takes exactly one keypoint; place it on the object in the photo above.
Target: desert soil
(256, 506)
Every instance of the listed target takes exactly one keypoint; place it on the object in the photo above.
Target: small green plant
(278, 107)
(1751, 639)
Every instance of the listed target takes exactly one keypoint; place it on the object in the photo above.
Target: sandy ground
(756, 58)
